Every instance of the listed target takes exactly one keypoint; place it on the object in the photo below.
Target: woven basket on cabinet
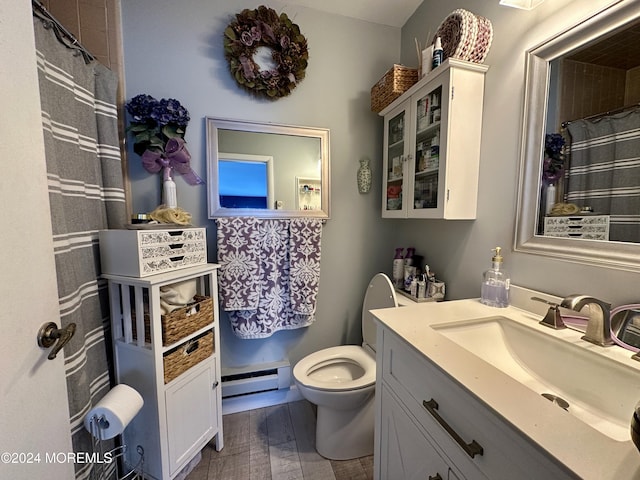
(394, 83)
(187, 355)
(180, 322)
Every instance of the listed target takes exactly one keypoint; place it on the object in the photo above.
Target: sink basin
(599, 391)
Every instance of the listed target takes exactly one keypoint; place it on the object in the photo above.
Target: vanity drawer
(445, 410)
(139, 253)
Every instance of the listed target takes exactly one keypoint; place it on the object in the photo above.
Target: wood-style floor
(275, 443)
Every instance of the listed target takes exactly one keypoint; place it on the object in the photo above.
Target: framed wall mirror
(577, 83)
(255, 169)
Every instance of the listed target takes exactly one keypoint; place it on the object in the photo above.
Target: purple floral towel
(304, 252)
(265, 303)
(238, 256)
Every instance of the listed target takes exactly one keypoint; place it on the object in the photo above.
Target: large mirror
(579, 186)
(267, 170)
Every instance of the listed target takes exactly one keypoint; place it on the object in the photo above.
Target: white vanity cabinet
(432, 145)
(432, 426)
(407, 452)
(174, 365)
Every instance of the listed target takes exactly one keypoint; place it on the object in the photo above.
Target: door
(34, 419)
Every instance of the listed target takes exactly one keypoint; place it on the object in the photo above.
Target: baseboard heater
(255, 379)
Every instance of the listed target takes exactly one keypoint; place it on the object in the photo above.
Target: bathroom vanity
(459, 395)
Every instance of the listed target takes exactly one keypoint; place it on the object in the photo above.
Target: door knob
(49, 334)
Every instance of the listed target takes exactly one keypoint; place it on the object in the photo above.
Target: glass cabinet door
(394, 175)
(426, 167)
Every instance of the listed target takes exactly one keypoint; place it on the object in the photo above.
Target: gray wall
(174, 49)
(460, 251)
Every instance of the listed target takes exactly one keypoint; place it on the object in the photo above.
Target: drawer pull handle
(192, 347)
(437, 476)
(176, 259)
(472, 449)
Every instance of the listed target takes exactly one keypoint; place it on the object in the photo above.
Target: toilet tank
(379, 294)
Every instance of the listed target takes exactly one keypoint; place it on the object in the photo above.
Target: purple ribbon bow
(176, 157)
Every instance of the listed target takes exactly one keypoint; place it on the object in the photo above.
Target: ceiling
(620, 49)
(385, 12)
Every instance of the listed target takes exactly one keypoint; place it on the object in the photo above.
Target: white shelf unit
(181, 416)
(431, 154)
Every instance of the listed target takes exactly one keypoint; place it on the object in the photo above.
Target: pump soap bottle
(495, 283)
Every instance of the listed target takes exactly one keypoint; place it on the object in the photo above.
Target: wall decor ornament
(364, 176)
(158, 128)
(264, 28)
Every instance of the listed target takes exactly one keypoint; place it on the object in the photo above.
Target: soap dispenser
(495, 283)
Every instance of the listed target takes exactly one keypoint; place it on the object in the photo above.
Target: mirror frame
(618, 255)
(212, 124)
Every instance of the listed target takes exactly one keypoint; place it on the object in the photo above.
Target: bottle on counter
(495, 283)
(398, 268)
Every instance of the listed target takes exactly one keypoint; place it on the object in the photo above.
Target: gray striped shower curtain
(604, 171)
(79, 119)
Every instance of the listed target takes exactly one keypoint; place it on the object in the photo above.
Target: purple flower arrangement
(154, 122)
(553, 163)
(158, 128)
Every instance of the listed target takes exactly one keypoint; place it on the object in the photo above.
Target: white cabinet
(456, 432)
(590, 227)
(407, 452)
(173, 361)
(432, 145)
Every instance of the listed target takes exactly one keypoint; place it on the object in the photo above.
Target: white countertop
(584, 450)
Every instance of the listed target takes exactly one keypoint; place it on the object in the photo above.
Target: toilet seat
(304, 370)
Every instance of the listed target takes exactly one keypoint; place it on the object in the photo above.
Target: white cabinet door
(405, 451)
(191, 415)
(395, 162)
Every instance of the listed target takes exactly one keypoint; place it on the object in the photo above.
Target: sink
(597, 390)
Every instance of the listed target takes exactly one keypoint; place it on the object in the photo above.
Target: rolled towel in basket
(177, 295)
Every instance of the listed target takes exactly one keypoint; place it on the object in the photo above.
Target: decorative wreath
(263, 27)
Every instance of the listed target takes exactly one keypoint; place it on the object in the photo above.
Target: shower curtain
(604, 171)
(79, 119)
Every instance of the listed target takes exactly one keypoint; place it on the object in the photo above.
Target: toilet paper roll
(114, 412)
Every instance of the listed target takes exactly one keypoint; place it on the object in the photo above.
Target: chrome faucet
(599, 323)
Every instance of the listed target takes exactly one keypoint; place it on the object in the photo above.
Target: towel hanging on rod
(63, 35)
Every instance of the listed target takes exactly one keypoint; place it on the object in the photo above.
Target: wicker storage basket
(181, 322)
(187, 355)
(394, 83)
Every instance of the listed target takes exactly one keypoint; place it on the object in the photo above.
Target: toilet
(341, 382)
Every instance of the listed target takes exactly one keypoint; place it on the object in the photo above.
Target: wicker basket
(181, 322)
(394, 83)
(182, 358)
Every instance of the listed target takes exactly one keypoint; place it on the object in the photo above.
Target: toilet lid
(379, 294)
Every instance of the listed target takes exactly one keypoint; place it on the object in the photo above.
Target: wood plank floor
(275, 443)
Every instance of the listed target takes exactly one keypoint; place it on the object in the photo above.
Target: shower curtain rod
(63, 35)
(604, 114)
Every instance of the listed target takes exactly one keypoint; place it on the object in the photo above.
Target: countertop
(584, 450)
